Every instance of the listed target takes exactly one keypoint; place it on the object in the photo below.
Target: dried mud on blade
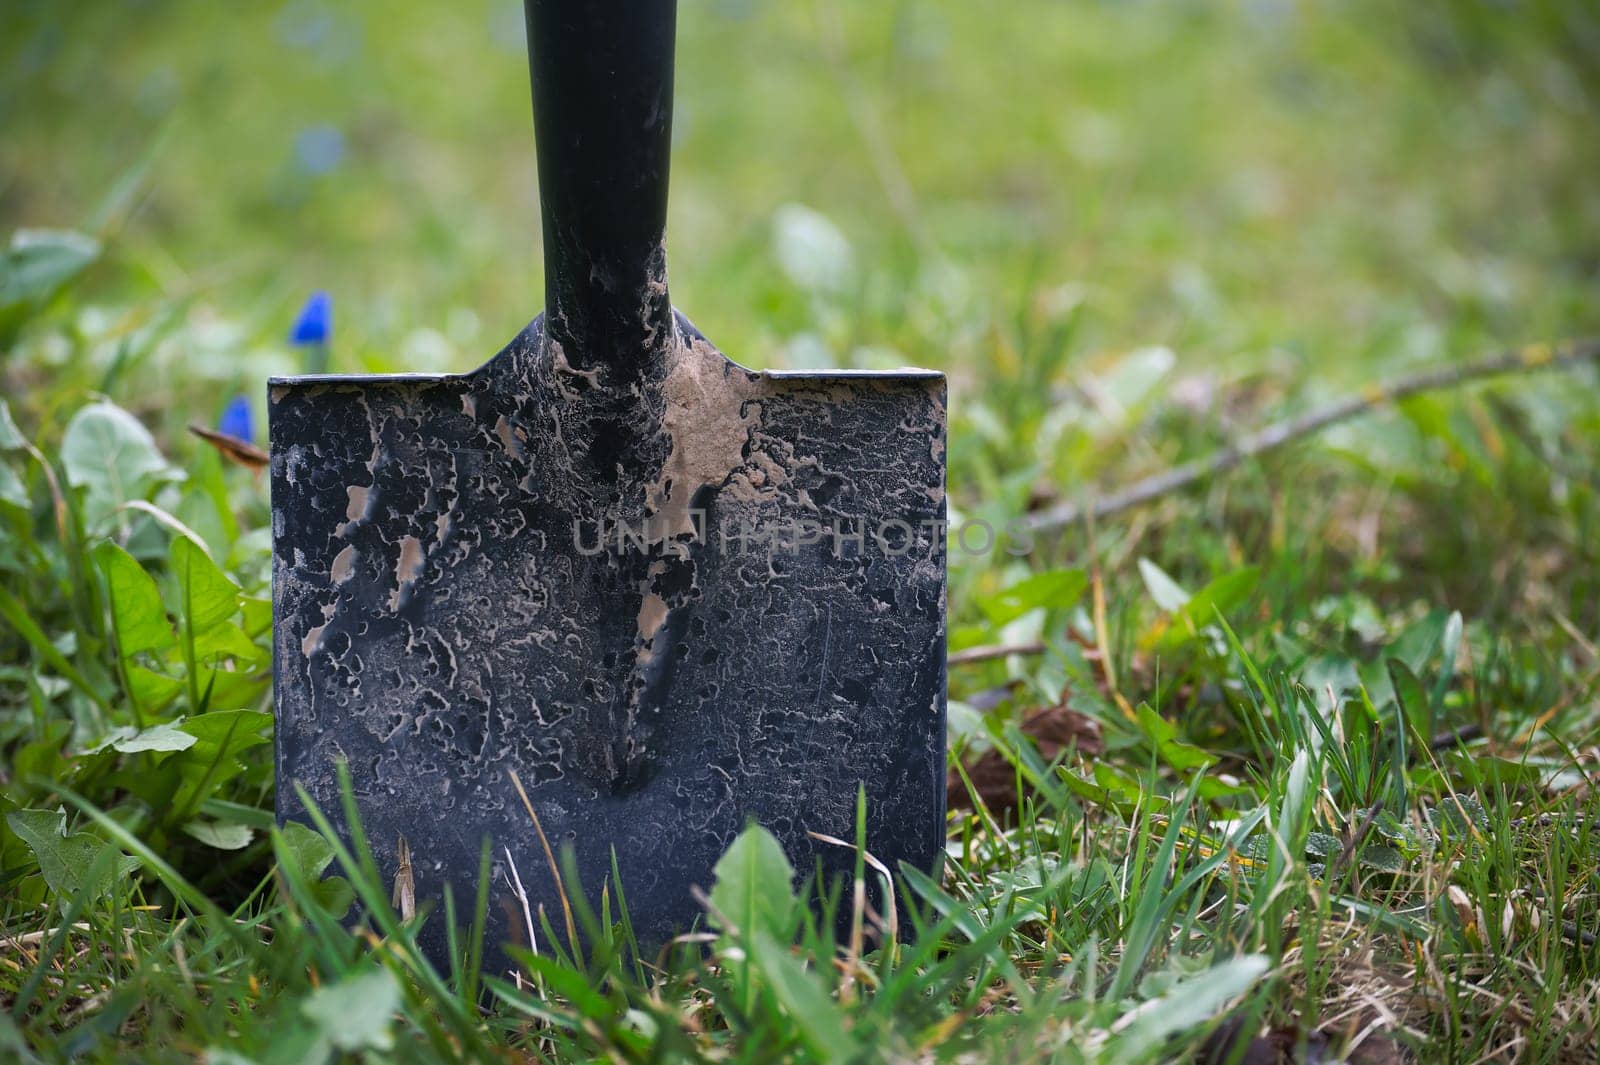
(669, 594)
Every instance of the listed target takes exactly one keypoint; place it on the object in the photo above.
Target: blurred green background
(1311, 187)
(1129, 231)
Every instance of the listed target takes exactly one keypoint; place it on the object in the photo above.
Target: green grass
(1349, 693)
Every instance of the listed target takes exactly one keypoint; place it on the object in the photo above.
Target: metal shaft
(602, 105)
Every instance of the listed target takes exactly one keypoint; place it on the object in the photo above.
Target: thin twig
(1529, 359)
(993, 651)
(1448, 739)
(1353, 842)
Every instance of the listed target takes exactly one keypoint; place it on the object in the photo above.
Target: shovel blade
(727, 609)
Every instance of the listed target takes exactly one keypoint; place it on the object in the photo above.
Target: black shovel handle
(602, 112)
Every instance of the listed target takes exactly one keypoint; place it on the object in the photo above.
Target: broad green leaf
(167, 736)
(220, 835)
(257, 615)
(230, 641)
(222, 735)
(1459, 814)
(307, 849)
(1391, 828)
(1322, 845)
(109, 454)
(150, 689)
(13, 610)
(1218, 597)
(1413, 699)
(224, 1056)
(1292, 817)
(755, 885)
(1383, 858)
(13, 1045)
(66, 860)
(1419, 642)
(357, 1013)
(208, 596)
(1449, 647)
(812, 251)
(1132, 380)
(136, 612)
(239, 813)
(42, 757)
(1163, 737)
(1049, 590)
(1490, 772)
(818, 1019)
(236, 687)
(311, 855)
(1190, 1002)
(1167, 593)
(12, 490)
(1118, 783)
(36, 265)
(11, 438)
(226, 732)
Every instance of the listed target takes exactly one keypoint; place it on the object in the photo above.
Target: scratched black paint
(438, 627)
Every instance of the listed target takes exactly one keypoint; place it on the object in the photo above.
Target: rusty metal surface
(644, 596)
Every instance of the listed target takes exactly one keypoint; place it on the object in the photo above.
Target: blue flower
(318, 149)
(237, 420)
(315, 324)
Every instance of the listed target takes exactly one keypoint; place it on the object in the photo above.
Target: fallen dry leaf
(1053, 729)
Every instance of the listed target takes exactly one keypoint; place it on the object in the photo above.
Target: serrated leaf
(1383, 858)
(207, 596)
(220, 835)
(227, 731)
(357, 1013)
(1051, 589)
(221, 735)
(754, 885)
(67, 860)
(1322, 845)
(139, 619)
(1459, 814)
(307, 848)
(311, 855)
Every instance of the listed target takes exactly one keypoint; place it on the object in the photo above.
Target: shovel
(660, 594)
